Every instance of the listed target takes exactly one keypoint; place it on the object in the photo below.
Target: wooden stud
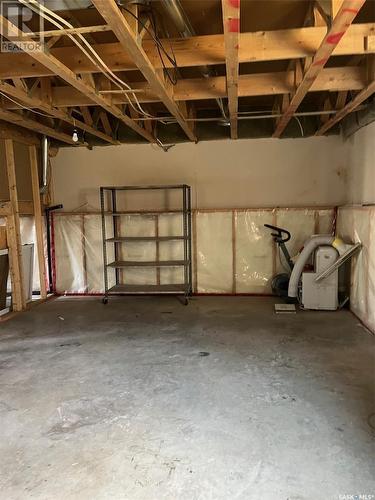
(146, 26)
(44, 102)
(131, 15)
(110, 11)
(340, 25)
(341, 99)
(195, 243)
(327, 106)
(84, 256)
(20, 84)
(260, 46)
(157, 248)
(86, 115)
(68, 31)
(46, 90)
(13, 232)
(234, 252)
(55, 66)
(316, 222)
(39, 221)
(105, 122)
(9, 131)
(349, 108)
(274, 246)
(231, 20)
(24, 208)
(52, 41)
(335, 7)
(33, 125)
(330, 79)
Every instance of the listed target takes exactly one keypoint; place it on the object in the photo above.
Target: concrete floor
(221, 400)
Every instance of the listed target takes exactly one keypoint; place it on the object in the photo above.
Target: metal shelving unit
(109, 201)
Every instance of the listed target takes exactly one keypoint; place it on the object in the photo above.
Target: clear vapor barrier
(233, 251)
(357, 224)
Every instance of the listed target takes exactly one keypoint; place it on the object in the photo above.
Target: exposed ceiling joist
(68, 31)
(231, 22)
(11, 131)
(330, 79)
(199, 51)
(36, 126)
(345, 16)
(109, 10)
(56, 67)
(45, 106)
(349, 108)
(111, 13)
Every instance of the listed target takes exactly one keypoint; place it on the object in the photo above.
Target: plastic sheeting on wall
(214, 250)
(233, 252)
(254, 251)
(357, 224)
(28, 236)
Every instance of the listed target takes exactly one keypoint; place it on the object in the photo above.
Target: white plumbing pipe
(311, 244)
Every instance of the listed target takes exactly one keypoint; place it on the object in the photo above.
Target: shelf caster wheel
(186, 301)
(105, 300)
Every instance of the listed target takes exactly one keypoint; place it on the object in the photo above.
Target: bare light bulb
(75, 135)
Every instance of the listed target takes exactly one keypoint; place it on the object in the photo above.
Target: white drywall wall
(223, 174)
(361, 162)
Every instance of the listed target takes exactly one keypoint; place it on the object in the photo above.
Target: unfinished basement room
(187, 249)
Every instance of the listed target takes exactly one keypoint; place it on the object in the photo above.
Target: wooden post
(38, 217)
(13, 233)
(234, 252)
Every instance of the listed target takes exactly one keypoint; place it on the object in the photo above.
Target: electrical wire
(23, 106)
(300, 125)
(51, 17)
(47, 13)
(159, 45)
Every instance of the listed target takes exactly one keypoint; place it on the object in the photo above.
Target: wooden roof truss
(59, 88)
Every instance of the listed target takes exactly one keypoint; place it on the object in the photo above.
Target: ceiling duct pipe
(182, 23)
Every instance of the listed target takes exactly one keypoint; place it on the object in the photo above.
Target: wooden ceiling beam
(345, 16)
(105, 122)
(113, 16)
(67, 31)
(351, 106)
(330, 79)
(86, 114)
(45, 104)
(10, 131)
(231, 22)
(35, 126)
(56, 67)
(198, 51)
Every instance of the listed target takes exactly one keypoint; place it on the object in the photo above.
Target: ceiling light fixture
(75, 137)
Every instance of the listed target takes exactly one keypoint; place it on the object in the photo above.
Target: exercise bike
(280, 282)
(313, 279)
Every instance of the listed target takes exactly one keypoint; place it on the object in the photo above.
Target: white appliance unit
(321, 295)
(319, 288)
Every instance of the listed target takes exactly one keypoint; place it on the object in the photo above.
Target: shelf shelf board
(141, 188)
(144, 212)
(147, 263)
(148, 289)
(122, 239)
